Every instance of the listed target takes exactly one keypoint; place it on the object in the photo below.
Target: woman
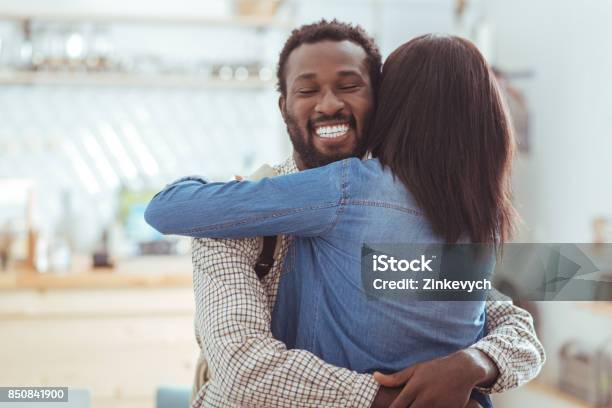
(441, 153)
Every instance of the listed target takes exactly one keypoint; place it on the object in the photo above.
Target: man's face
(328, 103)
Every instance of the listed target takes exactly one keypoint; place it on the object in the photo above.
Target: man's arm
(511, 343)
(249, 368)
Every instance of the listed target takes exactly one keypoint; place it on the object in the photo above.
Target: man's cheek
(302, 123)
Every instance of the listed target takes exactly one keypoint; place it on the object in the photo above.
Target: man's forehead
(340, 56)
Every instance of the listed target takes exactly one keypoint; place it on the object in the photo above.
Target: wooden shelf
(125, 79)
(78, 17)
(141, 272)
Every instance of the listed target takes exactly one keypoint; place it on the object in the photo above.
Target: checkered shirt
(247, 367)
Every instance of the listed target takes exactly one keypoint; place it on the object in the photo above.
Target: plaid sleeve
(248, 367)
(511, 343)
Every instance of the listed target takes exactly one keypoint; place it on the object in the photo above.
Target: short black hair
(333, 30)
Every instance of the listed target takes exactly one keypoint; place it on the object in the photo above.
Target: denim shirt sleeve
(307, 203)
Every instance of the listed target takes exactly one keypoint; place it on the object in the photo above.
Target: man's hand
(441, 383)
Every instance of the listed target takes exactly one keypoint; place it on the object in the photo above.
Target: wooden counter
(139, 272)
(120, 333)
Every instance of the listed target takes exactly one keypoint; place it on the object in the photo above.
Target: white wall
(565, 181)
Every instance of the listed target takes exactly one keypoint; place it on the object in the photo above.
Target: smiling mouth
(332, 131)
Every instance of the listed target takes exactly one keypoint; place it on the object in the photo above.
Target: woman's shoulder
(369, 171)
(357, 172)
(354, 168)
(369, 179)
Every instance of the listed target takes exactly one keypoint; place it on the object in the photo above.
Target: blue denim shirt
(321, 305)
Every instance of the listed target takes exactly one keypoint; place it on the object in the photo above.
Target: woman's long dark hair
(442, 128)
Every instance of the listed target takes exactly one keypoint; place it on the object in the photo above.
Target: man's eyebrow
(349, 73)
(344, 73)
(306, 75)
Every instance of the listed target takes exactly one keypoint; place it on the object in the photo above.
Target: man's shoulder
(211, 249)
(264, 171)
(206, 244)
(288, 166)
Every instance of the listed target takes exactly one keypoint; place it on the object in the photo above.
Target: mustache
(325, 118)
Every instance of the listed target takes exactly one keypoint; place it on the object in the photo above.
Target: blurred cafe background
(104, 102)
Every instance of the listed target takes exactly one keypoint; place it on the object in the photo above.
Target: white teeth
(331, 132)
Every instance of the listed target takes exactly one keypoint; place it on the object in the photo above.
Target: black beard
(304, 146)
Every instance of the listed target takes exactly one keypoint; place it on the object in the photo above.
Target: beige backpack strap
(266, 257)
(201, 376)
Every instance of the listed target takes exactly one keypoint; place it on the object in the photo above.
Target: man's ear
(282, 103)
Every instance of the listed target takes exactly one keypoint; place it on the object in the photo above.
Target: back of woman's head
(442, 128)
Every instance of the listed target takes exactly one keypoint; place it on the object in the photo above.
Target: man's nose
(329, 104)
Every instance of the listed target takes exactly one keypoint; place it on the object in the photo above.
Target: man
(328, 75)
